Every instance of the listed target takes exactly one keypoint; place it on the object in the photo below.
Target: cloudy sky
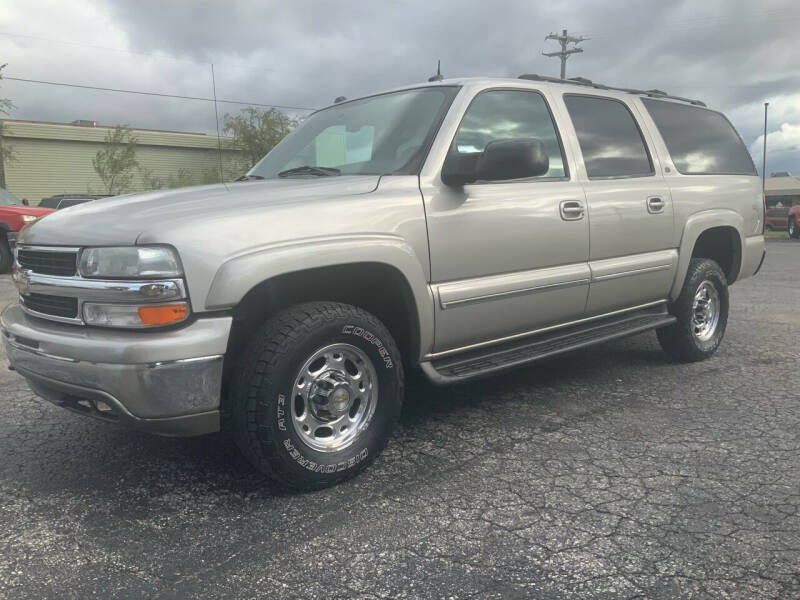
(733, 54)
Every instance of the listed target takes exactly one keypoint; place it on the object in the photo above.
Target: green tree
(150, 181)
(255, 132)
(182, 178)
(116, 163)
(7, 153)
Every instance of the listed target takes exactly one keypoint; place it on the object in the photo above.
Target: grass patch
(776, 235)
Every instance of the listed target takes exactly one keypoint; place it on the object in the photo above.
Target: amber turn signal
(163, 314)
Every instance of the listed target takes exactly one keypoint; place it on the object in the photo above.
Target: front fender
(241, 273)
(695, 225)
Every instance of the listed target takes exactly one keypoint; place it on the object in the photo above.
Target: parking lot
(609, 473)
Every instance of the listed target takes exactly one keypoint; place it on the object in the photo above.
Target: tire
(794, 228)
(282, 401)
(6, 257)
(697, 335)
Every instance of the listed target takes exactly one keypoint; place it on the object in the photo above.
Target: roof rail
(599, 86)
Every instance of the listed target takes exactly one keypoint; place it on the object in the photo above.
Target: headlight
(29, 218)
(136, 262)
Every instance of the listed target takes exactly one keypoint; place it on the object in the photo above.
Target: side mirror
(500, 160)
(25, 202)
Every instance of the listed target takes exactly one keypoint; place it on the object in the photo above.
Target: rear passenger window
(506, 115)
(611, 143)
(700, 141)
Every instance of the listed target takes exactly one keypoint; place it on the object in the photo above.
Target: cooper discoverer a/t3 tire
(316, 394)
(702, 312)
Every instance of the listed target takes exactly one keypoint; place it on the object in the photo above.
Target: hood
(124, 220)
(18, 209)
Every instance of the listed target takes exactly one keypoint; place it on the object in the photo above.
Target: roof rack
(589, 83)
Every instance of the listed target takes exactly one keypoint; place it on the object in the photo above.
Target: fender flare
(241, 273)
(695, 225)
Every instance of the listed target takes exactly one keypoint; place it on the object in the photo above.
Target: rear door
(632, 256)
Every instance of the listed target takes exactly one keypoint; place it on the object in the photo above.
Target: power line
(157, 94)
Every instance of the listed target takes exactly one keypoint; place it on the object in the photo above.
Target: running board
(502, 357)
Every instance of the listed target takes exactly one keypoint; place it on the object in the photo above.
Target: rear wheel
(702, 313)
(794, 229)
(317, 393)
(5, 255)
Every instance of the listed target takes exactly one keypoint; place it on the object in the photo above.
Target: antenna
(564, 39)
(438, 76)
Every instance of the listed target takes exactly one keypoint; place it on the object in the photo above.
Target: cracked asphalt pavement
(608, 473)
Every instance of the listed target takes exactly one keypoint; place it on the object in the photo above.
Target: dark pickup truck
(14, 215)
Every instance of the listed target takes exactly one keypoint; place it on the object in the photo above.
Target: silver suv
(465, 227)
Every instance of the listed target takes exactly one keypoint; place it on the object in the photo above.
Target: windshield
(7, 197)
(380, 135)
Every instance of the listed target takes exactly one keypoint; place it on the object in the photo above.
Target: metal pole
(764, 163)
(564, 54)
(216, 118)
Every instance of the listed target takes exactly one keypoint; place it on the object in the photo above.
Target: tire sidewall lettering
(373, 339)
(321, 468)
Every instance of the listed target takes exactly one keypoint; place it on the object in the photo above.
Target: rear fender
(695, 226)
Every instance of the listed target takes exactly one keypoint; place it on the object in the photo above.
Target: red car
(14, 215)
(776, 218)
(794, 221)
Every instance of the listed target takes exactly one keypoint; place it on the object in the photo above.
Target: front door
(632, 257)
(507, 257)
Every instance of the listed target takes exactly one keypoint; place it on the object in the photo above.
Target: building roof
(82, 133)
(782, 186)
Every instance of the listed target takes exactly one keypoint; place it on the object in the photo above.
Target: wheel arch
(714, 234)
(383, 276)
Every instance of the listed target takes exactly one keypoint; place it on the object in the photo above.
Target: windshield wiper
(309, 170)
(249, 178)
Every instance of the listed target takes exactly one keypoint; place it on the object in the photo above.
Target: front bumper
(165, 382)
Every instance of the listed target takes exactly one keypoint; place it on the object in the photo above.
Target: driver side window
(510, 114)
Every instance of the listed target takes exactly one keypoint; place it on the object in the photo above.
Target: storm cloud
(735, 55)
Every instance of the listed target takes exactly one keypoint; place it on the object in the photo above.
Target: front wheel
(5, 254)
(702, 313)
(317, 393)
(794, 230)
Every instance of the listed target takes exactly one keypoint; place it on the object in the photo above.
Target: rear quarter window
(700, 141)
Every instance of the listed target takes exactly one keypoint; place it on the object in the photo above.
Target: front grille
(47, 262)
(56, 306)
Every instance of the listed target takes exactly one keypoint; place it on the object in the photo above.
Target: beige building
(56, 158)
(782, 190)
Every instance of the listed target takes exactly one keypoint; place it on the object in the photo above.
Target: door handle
(571, 210)
(655, 205)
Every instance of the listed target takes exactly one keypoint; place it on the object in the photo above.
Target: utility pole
(764, 162)
(565, 40)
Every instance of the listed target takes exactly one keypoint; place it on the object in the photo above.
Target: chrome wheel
(334, 397)
(705, 311)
